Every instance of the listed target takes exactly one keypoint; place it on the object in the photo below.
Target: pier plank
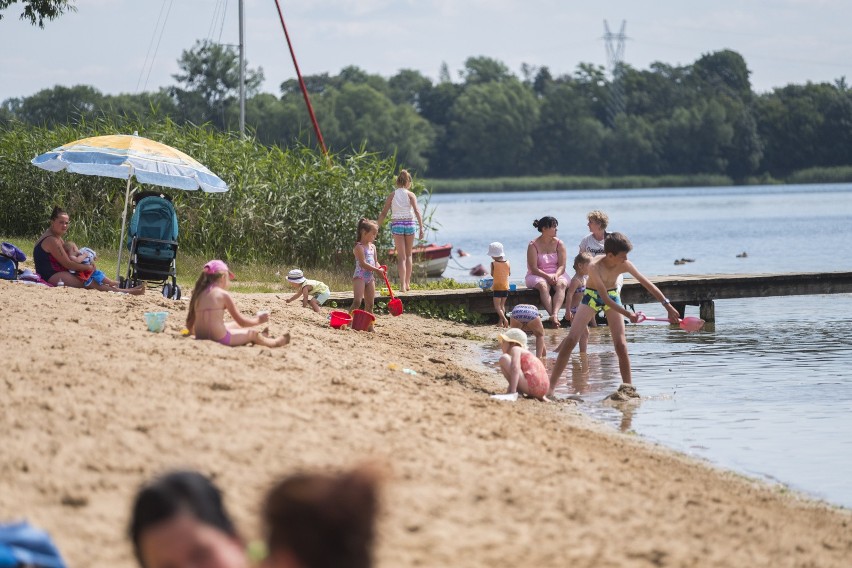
(696, 289)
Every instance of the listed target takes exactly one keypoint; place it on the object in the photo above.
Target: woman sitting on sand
(52, 263)
(179, 520)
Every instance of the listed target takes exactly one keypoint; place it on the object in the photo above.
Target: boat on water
(429, 260)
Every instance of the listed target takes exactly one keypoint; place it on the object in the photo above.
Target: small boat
(430, 260)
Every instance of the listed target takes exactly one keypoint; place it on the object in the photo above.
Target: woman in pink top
(546, 260)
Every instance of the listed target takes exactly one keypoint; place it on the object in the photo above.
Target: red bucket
(340, 319)
(362, 320)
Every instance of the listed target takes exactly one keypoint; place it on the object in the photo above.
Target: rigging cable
(156, 49)
(150, 44)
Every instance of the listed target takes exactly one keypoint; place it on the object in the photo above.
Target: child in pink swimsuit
(523, 370)
(210, 299)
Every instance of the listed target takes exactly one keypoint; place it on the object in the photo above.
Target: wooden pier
(689, 290)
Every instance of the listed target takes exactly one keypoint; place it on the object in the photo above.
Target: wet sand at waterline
(92, 404)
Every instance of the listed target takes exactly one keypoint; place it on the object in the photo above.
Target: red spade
(395, 304)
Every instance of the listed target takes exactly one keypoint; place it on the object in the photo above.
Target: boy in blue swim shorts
(602, 295)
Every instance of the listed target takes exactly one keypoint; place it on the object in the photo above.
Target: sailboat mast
(242, 73)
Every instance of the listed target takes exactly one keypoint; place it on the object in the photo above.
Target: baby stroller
(152, 241)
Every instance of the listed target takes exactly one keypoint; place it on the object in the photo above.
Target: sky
(131, 46)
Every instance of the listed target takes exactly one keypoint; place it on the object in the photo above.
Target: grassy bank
(840, 174)
(252, 276)
(544, 183)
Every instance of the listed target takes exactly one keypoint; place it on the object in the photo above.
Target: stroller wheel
(176, 293)
(167, 290)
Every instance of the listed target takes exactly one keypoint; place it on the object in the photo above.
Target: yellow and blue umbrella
(125, 157)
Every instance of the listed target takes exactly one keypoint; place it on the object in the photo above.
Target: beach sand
(92, 404)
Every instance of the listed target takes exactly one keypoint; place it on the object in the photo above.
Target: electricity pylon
(615, 58)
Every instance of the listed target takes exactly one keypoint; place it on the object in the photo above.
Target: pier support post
(707, 310)
(680, 307)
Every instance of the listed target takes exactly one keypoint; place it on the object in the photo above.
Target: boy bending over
(602, 295)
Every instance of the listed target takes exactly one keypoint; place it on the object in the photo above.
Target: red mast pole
(302, 82)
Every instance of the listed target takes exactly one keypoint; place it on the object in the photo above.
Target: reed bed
(284, 207)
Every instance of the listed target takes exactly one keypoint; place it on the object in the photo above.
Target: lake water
(767, 389)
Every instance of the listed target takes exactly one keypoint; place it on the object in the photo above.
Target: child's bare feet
(283, 340)
(137, 290)
(554, 319)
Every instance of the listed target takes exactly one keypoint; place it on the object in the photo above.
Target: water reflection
(768, 382)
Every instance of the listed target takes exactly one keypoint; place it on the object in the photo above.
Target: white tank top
(400, 205)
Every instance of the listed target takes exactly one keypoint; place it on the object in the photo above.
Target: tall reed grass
(291, 206)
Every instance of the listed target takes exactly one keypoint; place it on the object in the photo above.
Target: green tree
(478, 70)
(567, 138)
(491, 129)
(209, 83)
(407, 87)
(631, 148)
(59, 105)
(36, 11)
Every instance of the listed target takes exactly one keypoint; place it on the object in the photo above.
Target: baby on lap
(86, 255)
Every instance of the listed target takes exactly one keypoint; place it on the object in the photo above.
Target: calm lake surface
(767, 390)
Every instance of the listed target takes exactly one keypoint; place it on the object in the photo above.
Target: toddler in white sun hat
(313, 292)
(500, 271)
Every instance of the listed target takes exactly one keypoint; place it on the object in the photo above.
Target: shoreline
(472, 481)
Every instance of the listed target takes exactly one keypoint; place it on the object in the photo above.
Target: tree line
(701, 118)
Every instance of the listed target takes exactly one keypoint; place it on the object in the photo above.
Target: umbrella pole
(123, 221)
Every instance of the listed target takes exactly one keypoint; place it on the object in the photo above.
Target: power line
(150, 45)
(615, 60)
(162, 29)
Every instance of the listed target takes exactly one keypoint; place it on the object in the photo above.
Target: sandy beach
(92, 404)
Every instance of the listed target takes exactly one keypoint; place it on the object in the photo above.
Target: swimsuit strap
(532, 242)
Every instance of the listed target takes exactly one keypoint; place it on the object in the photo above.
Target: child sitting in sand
(576, 289)
(210, 299)
(524, 371)
(86, 255)
(363, 280)
(500, 271)
(526, 317)
(313, 292)
(602, 295)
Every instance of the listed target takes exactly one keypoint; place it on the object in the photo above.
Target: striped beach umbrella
(131, 156)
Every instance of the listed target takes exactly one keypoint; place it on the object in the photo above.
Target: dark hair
(57, 211)
(325, 521)
(616, 243)
(172, 494)
(364, 226)
(545, 223)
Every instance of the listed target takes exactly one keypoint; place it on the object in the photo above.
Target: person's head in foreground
(616, 244)
(179, 521)
(322, 521)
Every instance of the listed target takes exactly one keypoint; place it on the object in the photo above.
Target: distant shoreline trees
(697, 119)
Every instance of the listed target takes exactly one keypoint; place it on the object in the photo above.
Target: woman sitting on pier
(546, 263)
